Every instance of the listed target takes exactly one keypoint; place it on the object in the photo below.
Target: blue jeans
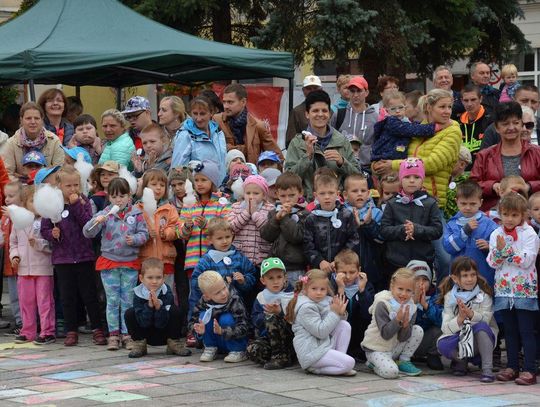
(442, 258)
(520, 324)
(210, 339)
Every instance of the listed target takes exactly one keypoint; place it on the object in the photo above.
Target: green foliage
(8, 96)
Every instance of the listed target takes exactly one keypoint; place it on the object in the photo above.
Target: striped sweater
(197, 239)
(247, 235)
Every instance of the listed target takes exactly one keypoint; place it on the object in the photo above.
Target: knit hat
(420, 268)
(272, 263)
(210, 170)
(232, 154)
(411, 166)
(257, 180)
(271, 175)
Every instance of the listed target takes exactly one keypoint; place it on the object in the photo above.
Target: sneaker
(60, 329)
(139, 349)
(274, 364)
(487, 378)
(208, 355)
(127, 342)
(408, 368)
(459, 367)
(15, 331)
(370, 365)
(98, 337)
(113, 343)
(44, 340)
(350, 373)
(434, 362)
(72, 338)
(235, 357)
(21, 339)
(175, 347)
(85, 329)
(525, 379)
(4, 324)
(191, 341)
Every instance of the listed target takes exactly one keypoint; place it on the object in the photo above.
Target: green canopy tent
(104, 43)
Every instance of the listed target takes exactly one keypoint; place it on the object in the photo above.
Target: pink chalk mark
(131, 385)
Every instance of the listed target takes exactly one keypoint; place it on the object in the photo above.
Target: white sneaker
(209, 354)
(235, 357)
(351, 372)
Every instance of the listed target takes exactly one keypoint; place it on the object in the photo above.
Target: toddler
(509, 75)
(268, 159)
(157, 152)
(412, 110)
(86, 136)
(102, 176)
(32, 162)
(457, 176)
(388, 188)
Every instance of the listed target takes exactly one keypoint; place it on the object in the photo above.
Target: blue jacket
(118, 150)
(239, 262)
(191, 143)
(458, 243)
(392, 137)
(433, 315)
(150, 317)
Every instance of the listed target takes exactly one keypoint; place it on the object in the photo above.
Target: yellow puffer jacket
(440, 154)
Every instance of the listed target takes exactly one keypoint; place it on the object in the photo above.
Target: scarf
(294, 211)
(37, 144)
(218, 255)
(395, 305)
(463, 220)
(244, 205)
(351, 290)
(336, 223)
(466, 340)
(322, 142)
(281, 297)
(406, 199)
(143, 292)
(209, 311)
(238, 126)
(465, 296)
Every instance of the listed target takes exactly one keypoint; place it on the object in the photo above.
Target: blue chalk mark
(74, 374)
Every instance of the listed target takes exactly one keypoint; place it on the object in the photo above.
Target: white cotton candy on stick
(113, 211)
(49, 203)
(21, 218)
(84, 169)
(190, 199)
(237, 188)
(149, 203)
(132, 181)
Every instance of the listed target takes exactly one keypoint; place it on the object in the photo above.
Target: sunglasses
(529, 125)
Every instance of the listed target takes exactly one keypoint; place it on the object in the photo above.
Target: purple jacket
(72, 247)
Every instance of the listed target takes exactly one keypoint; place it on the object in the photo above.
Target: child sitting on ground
(154, 319)
(273, 346)
(220, 320)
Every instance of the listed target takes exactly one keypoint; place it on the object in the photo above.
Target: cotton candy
(20, 217)
(84, 169)
(237, 188)
(132, 181)
(49, 203)
(190, 199)
(149, 202)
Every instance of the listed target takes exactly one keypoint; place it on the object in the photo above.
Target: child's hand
(189, 221)
(357, 217)
(422, 300)
(15, 262)
(55, 232)
(150, 302)
(369, 216)
(285, 210)
(5, 211)
(217, 328)
(129, 240)
(237, 276)
(32, 241)
(199, 328)
(157, 303)
(100, 219)
(272, 308)
(501, 243)
(200, 221)
(250, 206)
(362, 281)
(482, 244)
(339, 281)
(326, 267)
(339, 304)
(473, 223)
(152, 232)
(228, 279)
(405, 318)
(73, 198)
(409, 230)
(137, 162)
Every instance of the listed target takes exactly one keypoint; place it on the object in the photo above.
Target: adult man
(526, 95)
(443, 79)
(137, 113)
(297, 118)
(243, 131)
(480, 75)
(474, 121)
(356, 121)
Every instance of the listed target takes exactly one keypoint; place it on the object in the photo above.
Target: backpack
(340, 117)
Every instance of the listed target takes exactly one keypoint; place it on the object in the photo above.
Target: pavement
(89, 375)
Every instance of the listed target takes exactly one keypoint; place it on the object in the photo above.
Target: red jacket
(488, 169)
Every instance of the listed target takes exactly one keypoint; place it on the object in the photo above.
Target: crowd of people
(392, 233)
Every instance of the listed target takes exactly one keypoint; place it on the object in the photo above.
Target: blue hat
(75, 151)
(34, 157)
(44, 173)
(269, 155)
(136, 104)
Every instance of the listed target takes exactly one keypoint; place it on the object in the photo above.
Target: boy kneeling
(154, 319)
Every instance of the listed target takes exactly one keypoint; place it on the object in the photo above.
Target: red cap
(359, 82)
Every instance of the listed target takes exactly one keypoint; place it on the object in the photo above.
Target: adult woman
(511, 156)
(384, 84)
(325, 147)
(171, 114)
(529, 123)
(31, 136)
(119, 144)
(54, 104)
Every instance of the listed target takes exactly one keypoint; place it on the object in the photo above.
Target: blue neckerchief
(294, 209)
(244, 205)
(218, 255)
(465, 296)
(535, 224)
(142, 292)
(395, 305)
(325, 302)
(405, 200)
(351, 290)
(462, 220)
(281, 297)
(336, 223)
(209, 311)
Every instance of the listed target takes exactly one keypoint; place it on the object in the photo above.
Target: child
(351, 282)
(162, 228)
(534, 210)
(285, 226)
(457, 177)
(513, 248)
(119, 145)
(273, 346)
(412, 110)
(102, 176)
(73, 257)
(224, 258)
(154, 319)
(428, 313)
(71, 155)
(247, 218)
(234, 156)
(388, 188)
(469, 329)
(411, 220)
(393, 134)
(368, 220)
(271, 175)
(32, 162)
(220, 320)
(321, 332)
(329, 228)
(30, 254)
(85, 136)
(467, 233)
(318, 173)
(509, 184)
(235, 169)
(44, 176)
(509, 75)
(177, 185)
(157, 150)
(122, 234)
(392, 334)
(268, 159)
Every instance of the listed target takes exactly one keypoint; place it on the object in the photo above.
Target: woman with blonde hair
(171, 114)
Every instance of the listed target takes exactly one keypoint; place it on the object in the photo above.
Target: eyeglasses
(133, 116)
(395, 109)
(528, 125)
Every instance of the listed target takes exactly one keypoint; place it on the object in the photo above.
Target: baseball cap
(358, 81)
(272, 263)
(136, 104)
(312, 80)
(34, 157)
(269, 155)
(271, 175)
(44, 173)
(75, 151)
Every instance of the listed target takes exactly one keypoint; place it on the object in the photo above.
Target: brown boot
(138, 349)
(174, 347)
(72, 338)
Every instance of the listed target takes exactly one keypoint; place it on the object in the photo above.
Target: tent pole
(32, 90)
(78, 91)
(291, 94)
(119, 98)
